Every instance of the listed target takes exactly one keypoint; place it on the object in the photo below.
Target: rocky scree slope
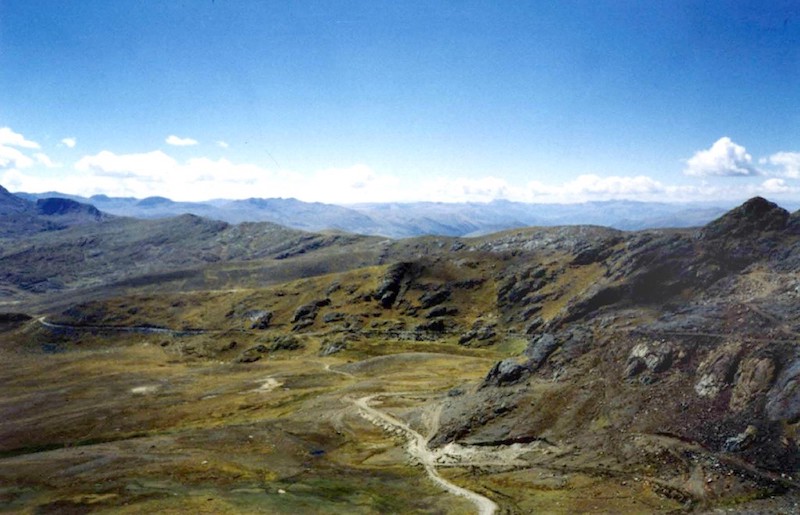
(679, 363)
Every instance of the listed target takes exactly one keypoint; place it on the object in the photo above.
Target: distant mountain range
(401, 220)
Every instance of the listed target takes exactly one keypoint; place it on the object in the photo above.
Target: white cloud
(13, 158)
(180, 142)
(45, 160)
(593, 187)
(151, 166)
(788, 161)
(13, 139)
(776, 186)
(69, 142)
(222, 144)
(724, 159)
(10, 154)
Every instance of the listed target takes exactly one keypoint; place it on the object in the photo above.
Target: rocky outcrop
(717, 370)
(783, 399)
(433, 298)
(505, 373)
(749, 220)
(481, 333)
(753, 380)
(655, 357)
(260, 319)
(539, 349)
(396, 280)
(308, 312)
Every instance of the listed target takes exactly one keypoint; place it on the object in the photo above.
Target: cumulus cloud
(157, 173)
(69, 142)
(788, 162)
(724, 159)
(180, 142)
(13, 158)
(222, 144)
(150, 166)
(13, 139)
(775, 186)
(10, 154)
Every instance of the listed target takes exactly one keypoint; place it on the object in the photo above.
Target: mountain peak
(10, 203)
(63, 206)
(755, 216)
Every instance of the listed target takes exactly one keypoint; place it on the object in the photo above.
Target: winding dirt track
(418, 448)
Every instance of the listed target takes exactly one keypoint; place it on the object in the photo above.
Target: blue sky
(377, 101)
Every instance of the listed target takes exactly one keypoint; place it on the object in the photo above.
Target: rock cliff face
(687, 345)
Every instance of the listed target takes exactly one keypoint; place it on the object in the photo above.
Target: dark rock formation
(430, 299)
(260, 319)
(395, 280)
(308, 312)
(505, 373)
(539, 349)
(783, 400)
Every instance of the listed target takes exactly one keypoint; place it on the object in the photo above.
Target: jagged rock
(741, 441)
(534, 325)
(333, 288)
(540, 348)
(252, 354)
(332, 347)
(260, 318)
(717, 370)
(285, 342)
(333, 316)
(394, 281)
(653, 356)
(442, 311)
(595, 253)
(430, 299)
(753, 379)
(755, 216)
(481, 331)
(302, 324)
(309, 311)
(506, 372)
(434, 326)
(783, 399)
(468, 284)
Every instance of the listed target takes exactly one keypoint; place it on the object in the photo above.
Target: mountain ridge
(402, 220)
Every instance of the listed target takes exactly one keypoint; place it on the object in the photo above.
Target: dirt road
(418, 449)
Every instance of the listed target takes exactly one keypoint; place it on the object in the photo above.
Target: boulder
(309, 311)
(505, 372)
(540, 348)
(260, 319)
(717, 370)
(656, 357)
(741, 441)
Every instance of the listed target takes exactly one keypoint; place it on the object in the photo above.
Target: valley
(187, 365)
